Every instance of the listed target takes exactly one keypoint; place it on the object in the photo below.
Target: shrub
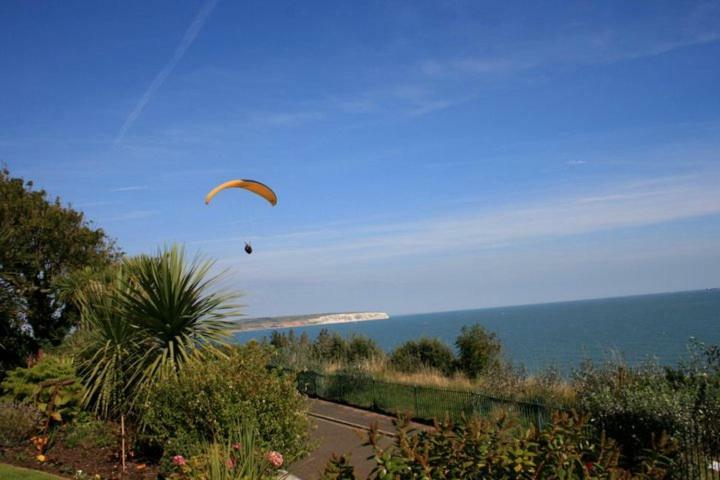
(423, 354)
(236, 457)
(330, 347)
(499, 450)
(210, 397)
(88, 432)
(18, 422)
(478, 350)
(360, 348)
(35, 385)
(152, 317)
(636, 405)
(40, 241)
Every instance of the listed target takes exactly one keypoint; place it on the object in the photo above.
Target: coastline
(296, 321)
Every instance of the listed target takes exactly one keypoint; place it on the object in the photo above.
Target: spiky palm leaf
(161, 314)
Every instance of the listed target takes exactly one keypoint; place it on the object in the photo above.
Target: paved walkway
(341, 429)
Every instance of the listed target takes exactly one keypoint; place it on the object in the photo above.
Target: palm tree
(158, 315)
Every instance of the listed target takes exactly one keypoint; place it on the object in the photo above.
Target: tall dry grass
(504, 382)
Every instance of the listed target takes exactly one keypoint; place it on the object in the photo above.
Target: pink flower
(275, 458)
(178, 460)
(236, 446)
(230, 464)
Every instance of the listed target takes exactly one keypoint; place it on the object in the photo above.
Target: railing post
(417, 412)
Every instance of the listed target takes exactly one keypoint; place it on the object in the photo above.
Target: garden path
(341, 429)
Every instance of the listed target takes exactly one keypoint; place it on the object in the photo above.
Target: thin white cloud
(130, 188)
(134, 215)
(100, 203)
(281, 119)
(187, 40)
(630, 205)
(584, 47)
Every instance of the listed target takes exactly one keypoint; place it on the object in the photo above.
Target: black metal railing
(698, 446)
(418, 402)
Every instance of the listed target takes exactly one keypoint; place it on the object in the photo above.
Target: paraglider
(250, 185)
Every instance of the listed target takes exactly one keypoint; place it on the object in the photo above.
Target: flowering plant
(233, 459)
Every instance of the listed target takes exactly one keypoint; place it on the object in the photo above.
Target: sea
(658, 327)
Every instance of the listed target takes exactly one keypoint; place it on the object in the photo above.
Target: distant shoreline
(297, 321)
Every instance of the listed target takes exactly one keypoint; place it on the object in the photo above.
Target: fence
(698, 446)
(420, 403)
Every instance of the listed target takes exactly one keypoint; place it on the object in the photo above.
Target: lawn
(8, 472)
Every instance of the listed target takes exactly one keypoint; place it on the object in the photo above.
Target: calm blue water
(563, 334)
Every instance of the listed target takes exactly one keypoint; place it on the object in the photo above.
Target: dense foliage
(636, 405)
(86, 431)
(235, 457)
(424, 362)
(422, 354)
(498, 449)
(212, 397)
(478, 350)
(52, 381)
(40, 241)
(18, 422)
(158, 315)
(329, 348)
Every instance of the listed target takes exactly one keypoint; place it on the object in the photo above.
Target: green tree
(360, 348)
(40, 241)
(424, 353)
(330, 347)
(159, 315)
(212, 397)
(478, 350)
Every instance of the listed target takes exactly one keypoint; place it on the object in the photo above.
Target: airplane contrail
(187, 40)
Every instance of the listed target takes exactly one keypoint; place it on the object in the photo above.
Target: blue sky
(427, 155)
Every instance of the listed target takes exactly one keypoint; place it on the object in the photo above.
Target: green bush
(636, 405)
(236, 457)
(422, 354)
(360, 348)
(299, 353)
(18, 422)
(330, 347)
(147, 319)
(631, 404)
(89, 432)
(478, 350)
(209, 398)
(499, 449)
(35, 384)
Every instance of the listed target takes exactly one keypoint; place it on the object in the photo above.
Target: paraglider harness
(248, 248)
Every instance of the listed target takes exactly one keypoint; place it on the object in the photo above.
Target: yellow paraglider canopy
(256, 187)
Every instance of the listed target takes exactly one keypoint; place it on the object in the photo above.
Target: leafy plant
(18, 422)
(634, 405)
(88, 432)
(478, 350)
(422, 354)
(207, 400)
(235, 458)
(498, 449)
(51, 385)
(157, 316)
(40, 241)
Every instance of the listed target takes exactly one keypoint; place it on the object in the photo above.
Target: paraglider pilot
(248, 248)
